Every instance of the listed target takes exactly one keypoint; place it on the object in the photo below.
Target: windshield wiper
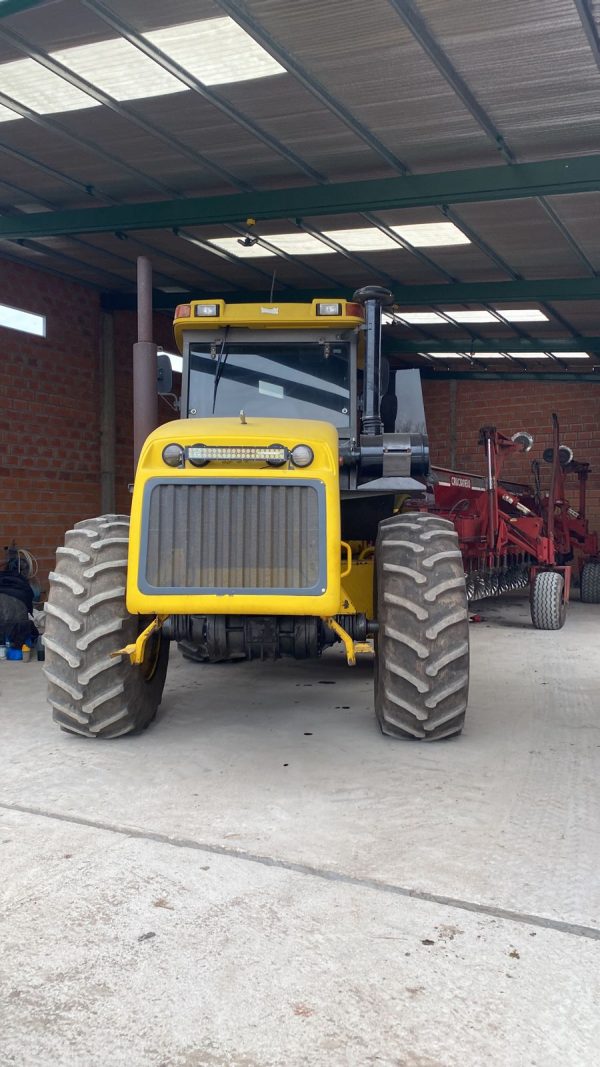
(221, 361)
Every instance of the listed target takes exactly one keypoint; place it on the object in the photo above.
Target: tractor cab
(287, 361)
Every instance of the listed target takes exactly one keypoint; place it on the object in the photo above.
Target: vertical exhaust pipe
(145, 395)
(373, 298)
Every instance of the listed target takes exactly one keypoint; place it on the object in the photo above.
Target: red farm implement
(513, 535)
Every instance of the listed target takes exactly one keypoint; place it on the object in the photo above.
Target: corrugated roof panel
(296, 118)
(200, 126)
(529, 65)
(66, 23)
(56, 25)
(582, 313)
(522, 233)
(363, 54)
(155, 14)
(581, 214)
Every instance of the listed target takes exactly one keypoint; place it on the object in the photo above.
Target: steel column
(145, 397)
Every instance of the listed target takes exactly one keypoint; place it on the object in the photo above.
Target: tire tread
(91, 692)
(422, 653)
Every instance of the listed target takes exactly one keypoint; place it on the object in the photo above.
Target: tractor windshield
(289, 381)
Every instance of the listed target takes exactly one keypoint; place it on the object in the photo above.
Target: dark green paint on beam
(512, 344)
(14, 7)
(509, 376)
(405, 295)
(549, 178)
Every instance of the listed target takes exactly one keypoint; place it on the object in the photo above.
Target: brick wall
(49, 412)
(512, 406)
(50, 398)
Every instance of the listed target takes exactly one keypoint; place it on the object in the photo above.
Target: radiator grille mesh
(214, 536)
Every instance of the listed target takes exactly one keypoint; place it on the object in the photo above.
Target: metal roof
(141, 127)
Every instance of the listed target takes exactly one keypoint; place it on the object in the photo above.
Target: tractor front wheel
(90, 691)
(547, 602)
(422, 644)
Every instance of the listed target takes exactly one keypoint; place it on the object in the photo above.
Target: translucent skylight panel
(471, 316)
(529, 355)
(571, 355)
(522, 314)
(446, 355)
(233, 246)
(6, 115)
(39, 89)
(299, 244)
(423, 318)
(363, 239)
(488, 355)
(432, 233)
(31, 208)
(119, 69)
(215, 51)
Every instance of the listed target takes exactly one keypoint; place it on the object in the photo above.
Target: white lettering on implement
(269, 311)
(464, 483)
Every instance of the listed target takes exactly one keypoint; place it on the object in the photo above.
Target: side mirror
(164, 374)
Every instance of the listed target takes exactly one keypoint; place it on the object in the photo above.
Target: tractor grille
(235, 535)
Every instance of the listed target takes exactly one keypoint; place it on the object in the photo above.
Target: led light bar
(232, 454)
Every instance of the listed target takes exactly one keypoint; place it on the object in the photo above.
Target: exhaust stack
(373, 298)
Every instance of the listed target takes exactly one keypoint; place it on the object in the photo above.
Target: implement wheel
(422, 645)
(90, 692)
(590, 583)
(547, 603)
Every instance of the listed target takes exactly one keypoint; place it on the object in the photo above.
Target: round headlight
(173, 455)
(277, 462)
(302, 455)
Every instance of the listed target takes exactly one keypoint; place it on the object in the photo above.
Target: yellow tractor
(268, 521)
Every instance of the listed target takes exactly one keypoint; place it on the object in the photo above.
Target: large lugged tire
(422, 644)
(547, 604)
(90, 692)
(590, 583)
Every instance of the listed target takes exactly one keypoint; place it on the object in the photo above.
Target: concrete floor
(262, 879)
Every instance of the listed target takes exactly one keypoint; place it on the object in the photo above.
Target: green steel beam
(405, 295)
(14, 7)
(485, 292)
(514, 344)
(509, 376)
(550, 178)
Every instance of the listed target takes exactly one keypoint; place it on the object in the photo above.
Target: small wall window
(16, 319)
